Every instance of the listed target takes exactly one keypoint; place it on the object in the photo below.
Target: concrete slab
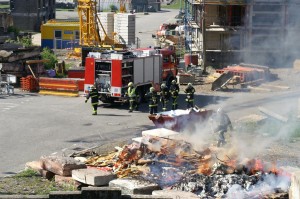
(134, 186)
(174, 194)
(160, 132)
(93, 177)
(61, 165)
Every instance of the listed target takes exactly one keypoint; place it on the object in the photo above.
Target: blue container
(51, 73)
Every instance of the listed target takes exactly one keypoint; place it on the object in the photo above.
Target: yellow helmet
(152, 89)
(130, 84)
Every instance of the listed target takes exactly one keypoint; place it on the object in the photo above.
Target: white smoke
(268, 185)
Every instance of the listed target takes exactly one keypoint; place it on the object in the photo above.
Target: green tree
(50, 56)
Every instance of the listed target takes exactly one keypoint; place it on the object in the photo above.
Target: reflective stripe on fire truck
(116, 91)
(169, 69)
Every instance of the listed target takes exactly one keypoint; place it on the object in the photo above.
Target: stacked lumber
(29, 83)
(59, 86)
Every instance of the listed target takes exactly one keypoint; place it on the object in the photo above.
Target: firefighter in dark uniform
(174, 90)
(189, 95)
(223, 123)
(131, 93)
(153, 100)
(164, 96)
(94, 95)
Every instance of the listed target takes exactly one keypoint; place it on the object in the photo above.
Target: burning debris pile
(163, 157)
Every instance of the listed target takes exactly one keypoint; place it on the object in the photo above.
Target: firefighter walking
(189, 95)
(164, 96)
(153, 100)
(131, 93)
(94, 95)
(223, 123)
(174, 90)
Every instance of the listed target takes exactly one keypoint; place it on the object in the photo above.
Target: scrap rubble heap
(163, 157)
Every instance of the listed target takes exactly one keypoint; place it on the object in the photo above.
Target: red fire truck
(112, 71)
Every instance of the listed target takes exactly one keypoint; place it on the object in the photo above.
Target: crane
(122, 6)
(89, 27)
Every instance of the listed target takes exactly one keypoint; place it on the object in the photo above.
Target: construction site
(240, 57)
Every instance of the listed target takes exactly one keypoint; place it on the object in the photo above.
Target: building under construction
(224, 32)
(29, 15)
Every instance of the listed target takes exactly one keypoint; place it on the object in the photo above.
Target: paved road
(33, 125)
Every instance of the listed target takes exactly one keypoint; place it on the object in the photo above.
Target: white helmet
(190, 85)
(163, 85)
(173, 81)
(130, 84)
(152, 89)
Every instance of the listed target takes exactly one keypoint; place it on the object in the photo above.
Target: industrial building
(29, 15)
(224, 32)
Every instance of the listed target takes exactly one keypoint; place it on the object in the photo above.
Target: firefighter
(174, 90)
(94, 95)
(189, 95)
(153, 100)
(131, 93)
(223, 123)
(164, 96)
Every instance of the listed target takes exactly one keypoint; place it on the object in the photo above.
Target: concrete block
(38, 166)
(61, 165)
(65, 195)
(93, 177)
(174, 194)
(133, 186)
(160, 132)
(101, 192)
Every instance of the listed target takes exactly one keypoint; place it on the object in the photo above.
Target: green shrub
(50, 56)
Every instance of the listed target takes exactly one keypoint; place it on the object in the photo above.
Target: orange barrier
(29, 83)
(59, 86)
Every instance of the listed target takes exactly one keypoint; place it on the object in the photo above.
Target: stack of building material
(29, 83)
(59, 86)
(124, 26)
(107, 21)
